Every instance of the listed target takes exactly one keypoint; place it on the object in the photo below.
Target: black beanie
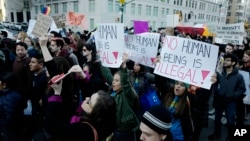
(158, 119)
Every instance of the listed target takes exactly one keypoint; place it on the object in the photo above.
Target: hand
(75, 68)
(125, 58)
(157, 59)
(43, 41)
(214, 78)
(57, 87)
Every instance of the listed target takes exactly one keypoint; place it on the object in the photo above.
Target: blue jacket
(10, 109)
(230, 86)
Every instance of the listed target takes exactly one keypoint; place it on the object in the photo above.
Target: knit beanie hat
(158, 119)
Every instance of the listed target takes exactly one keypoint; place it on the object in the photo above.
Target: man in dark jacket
(230, 85)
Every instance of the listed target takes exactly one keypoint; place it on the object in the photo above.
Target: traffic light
(122, 1)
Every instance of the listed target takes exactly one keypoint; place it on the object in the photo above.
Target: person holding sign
(178, 104)
(229, 86)
(126, 100)
(96, 119)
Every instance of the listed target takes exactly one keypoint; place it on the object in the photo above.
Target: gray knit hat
(158, 118)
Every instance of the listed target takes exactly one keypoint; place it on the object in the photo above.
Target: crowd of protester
(94, 102)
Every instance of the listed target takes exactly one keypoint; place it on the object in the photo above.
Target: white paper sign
(187, 60)
(230, 33)
(246, 80)
(172, 20)
(109, 40)
(142, 48)
(42, 25)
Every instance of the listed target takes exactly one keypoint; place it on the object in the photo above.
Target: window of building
(91, 6)
(167, 1)
(64, 4)
(162, 24)
(36, 9)
(92, 23)
(26, 4)
(167, 11)
(76, 6)
(133, 8)
(139, 9)
(110, 6)
(153, 25)
(163, 12)
(56, 7)
(155, 13)
(117, 6)
(148, 10)
(238, 1)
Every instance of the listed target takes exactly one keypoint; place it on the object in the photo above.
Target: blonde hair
(23, 35)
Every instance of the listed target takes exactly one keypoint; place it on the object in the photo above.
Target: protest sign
(230, 33)
(246, 80)
(187, 60)
(30, 28)
(42, 25)
(60, 20)
(142, 48)
(140, 27)
(172, 20)
(109, 40)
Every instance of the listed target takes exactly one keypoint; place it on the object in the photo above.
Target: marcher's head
(100, 109)
(54, 34)
(29, 42)
(230, 60)
(89, 49)
(180, 88)
(116, 83)
(7, 80)
(229, 48)
(138, 68)
(240, 64)
(36, 63)
(4, 34)
(21, 49)
(155, 124)
(56, 44)
(246, 56)
(21, 36)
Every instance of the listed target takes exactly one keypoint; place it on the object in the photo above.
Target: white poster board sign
(230, 33)
(246, 80)
(172, 20)
(142, 48)
(187, 60)
(42, 25)
(109, 40)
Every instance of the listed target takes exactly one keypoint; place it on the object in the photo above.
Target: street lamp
(219, 13)
(123, 4)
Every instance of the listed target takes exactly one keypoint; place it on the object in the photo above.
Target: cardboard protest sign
(142, 48)
(109, 40)
(172, 20)
(75, 19)
(60, 20)
(30, 28)
(230, 33)
(42, 25)
(187, 60)
(140, 27)
(246, 80)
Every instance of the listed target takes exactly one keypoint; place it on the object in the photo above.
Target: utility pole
(123, 4)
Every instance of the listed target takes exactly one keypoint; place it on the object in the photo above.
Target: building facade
(109, 11)
(15, 10)
(238, 11)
